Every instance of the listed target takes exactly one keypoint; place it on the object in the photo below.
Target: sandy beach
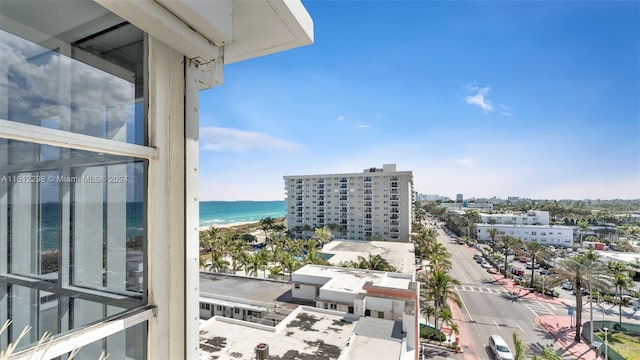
(226, 226)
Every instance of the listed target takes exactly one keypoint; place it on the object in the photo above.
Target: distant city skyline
(532, 99)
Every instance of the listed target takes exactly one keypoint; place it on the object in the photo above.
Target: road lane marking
(520, 327)
(498, 326)
(551, 306)
(464, 305)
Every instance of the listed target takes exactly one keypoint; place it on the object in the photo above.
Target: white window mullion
(41, 135)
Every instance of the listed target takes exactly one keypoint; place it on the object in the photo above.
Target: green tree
(582, 270)
(493, 234)
(583, 226)
(536, 251)
(472, 217)
(266, 225)
(440, 287)
(520, 349)
(372, 262)
(323, 235)
(509, 243)
(621, 278)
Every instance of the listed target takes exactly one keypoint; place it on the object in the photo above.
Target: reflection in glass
(91, 85)
(75, 236)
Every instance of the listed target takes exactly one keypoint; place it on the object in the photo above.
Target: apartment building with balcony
(376, 204)
(99, 164)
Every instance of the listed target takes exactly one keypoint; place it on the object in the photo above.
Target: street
(489, 309)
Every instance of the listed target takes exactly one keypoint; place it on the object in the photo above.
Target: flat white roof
(351, 280)
(306, 333)
(399, 254)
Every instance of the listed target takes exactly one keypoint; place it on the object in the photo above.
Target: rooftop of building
(248, 290)
(376, 339)
(352, 280)
(307, 333)
(400, 255)
(387, 169)
(528, 226)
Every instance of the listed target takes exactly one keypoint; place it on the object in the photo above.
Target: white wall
(307, 292)
(548, 235)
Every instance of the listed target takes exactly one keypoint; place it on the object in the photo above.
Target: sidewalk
(468, 350)
(560, 328)
(525, 293)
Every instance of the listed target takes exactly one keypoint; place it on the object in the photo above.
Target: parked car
(517, 271)
(531, 265)
(499, 348)
(546, 272)
(523, 260)
(567, 285)
(492, 270)
(485, 265)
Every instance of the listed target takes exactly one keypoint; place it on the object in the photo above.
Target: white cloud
(362, 126)
(225, 139)
(479, 98)
(505, 110)
(341, 118)
(468, 162)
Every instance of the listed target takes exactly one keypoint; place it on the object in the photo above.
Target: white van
(499, 348)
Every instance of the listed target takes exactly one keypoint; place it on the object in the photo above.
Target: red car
(517, 271)
(523, 260)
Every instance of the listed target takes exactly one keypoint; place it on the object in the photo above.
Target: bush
(430, 333)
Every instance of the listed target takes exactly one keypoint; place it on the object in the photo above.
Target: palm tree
(236, 251)
(509, 243)
(622, 282)
(536, 251)
(439, 258)
(255, 262)
(313, 257)
(621, 278)
(218, 263)
(290, 264)
(266, 225)
(472, 217)
(323, 235)
(581, 270)
(493, 234)
(439, 288)
(583, 226)
(520, 349)
(374, 262)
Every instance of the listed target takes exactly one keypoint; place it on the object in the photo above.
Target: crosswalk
(482, 289)
(536, 307)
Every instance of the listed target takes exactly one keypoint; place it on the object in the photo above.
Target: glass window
(72, 66)
(75, 235)
(72, 222)
(127, 344)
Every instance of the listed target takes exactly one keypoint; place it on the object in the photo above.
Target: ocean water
(213, 213)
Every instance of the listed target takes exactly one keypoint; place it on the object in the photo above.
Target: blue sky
(535, 99)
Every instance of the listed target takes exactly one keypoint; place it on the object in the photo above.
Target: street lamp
(606, 347)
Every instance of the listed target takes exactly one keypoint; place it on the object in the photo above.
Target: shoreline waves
(225, 214)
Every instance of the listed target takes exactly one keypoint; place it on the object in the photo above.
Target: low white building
(544, 234)
(364, 294)
(531, 217)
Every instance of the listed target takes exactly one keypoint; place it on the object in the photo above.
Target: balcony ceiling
(246, 28)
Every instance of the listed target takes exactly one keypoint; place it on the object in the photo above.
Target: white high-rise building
(376, 204)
